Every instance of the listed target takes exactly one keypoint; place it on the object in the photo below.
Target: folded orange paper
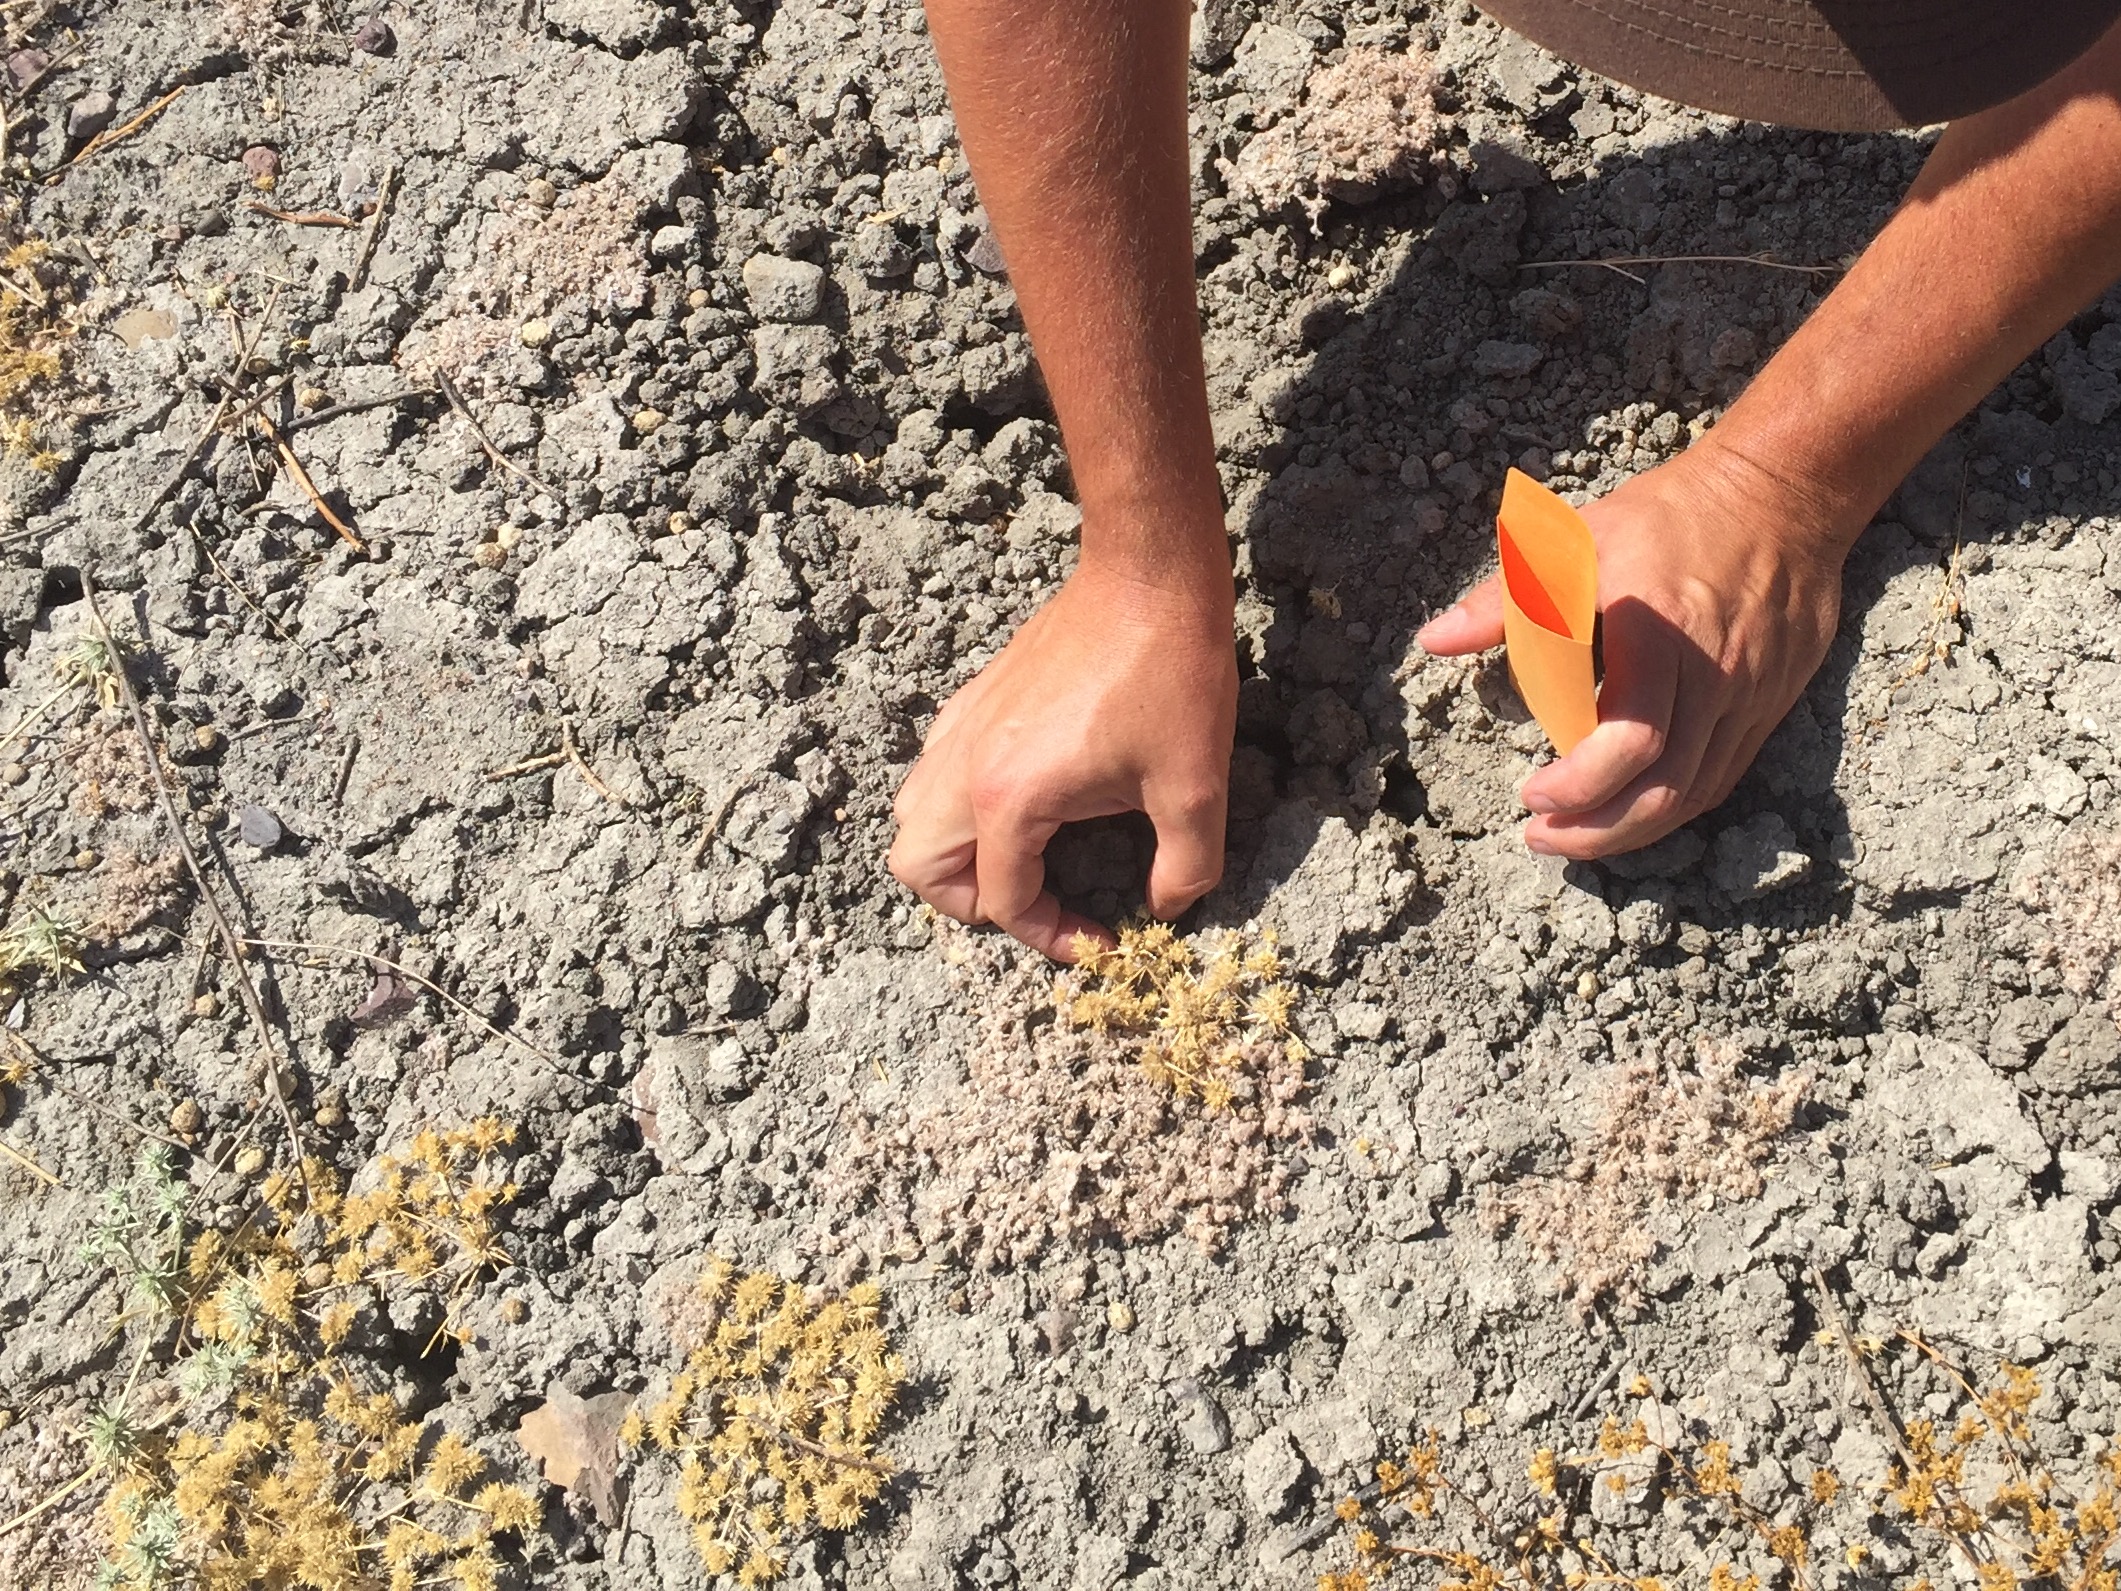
(1549, 605)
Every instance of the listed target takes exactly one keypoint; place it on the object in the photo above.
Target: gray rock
(2020, 1027)
(90, 114)
(1202, 1423)
(1756, 856)
(2085, 391)
(1495, 360)
(1272, 62)
(1273, 1470)
(257, 827)
(784, 290)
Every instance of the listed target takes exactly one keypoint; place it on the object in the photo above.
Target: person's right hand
(1119, 695)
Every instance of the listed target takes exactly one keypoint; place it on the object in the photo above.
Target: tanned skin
(1719, 572)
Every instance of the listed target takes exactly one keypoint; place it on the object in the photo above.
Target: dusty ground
(714, 281)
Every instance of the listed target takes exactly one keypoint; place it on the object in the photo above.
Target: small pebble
(90, 114)
(258, 827)
(507, 536)
(514, 1311)
(250, 1161)
(646, 422)
(1119, 1314)
(1341, 276)
(12, 773)
(680, 522)
(206, 737)
(262, 161)
(1587, 986)
(24, 67)
(187, 1120)
(374, 37)
(329, 1116)
(86, 859)
(541, 194)
(698, 298)
(206, 1005)
(317, 1277)
(312, 398)
(534, 333)
(489, 555)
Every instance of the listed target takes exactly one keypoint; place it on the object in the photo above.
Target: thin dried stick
(1615, 263)
(54, 1500)
(456, 402)
(28, 1164)
(302, 217)
(551, 759)
(359, 273)
(102, 141)
(40, 1073)
(359, 406)
(170, 482)
(230, 939)
(306, 948)
(300, 477)
(574, 755)
(1881, 1412)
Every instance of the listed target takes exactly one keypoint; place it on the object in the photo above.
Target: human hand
(1720, 587)
(1117, 696)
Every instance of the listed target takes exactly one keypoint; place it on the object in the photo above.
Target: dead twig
(369, 239)
(1618, 263)
(330, 218)
(1881, 1412)
(302, 947)
(40, 1074)
(300, 477)
(103, 140)
(230, 939)
(573, 753)
(346, 762)
(456, 402)
(28, 1164)
(338, 411)
(551, 759)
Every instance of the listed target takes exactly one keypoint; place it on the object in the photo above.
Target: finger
(1649, 808)
(1634, 716)
(1011, 865)
(1727, 761)
(1189, 849)
(1473, 625)
(932, 853)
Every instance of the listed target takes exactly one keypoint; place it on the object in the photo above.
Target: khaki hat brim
(1831, 65)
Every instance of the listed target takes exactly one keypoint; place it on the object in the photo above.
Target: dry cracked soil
(689, 452)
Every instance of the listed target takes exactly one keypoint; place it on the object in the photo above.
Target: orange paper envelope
(1549, 605)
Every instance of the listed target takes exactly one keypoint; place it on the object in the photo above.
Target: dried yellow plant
(774, 1418)
(1204, 1016)
(2025, 1530)
(280, 1467)
(30, 337)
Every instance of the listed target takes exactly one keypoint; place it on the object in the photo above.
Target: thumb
(1189, 851)
(1474, 625)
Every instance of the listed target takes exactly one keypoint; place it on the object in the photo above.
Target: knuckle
(1662, 805)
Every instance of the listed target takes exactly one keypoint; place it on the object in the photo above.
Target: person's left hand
(1720, 589)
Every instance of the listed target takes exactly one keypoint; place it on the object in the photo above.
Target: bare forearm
(2013, 226)
(1073, 116)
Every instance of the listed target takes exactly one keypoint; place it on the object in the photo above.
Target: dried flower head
(773, 1420)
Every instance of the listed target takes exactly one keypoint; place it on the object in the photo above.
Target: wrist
(1169, 545)
(1815, 508)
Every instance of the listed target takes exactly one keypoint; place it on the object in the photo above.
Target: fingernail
(1539, 845)
(1539, 801)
